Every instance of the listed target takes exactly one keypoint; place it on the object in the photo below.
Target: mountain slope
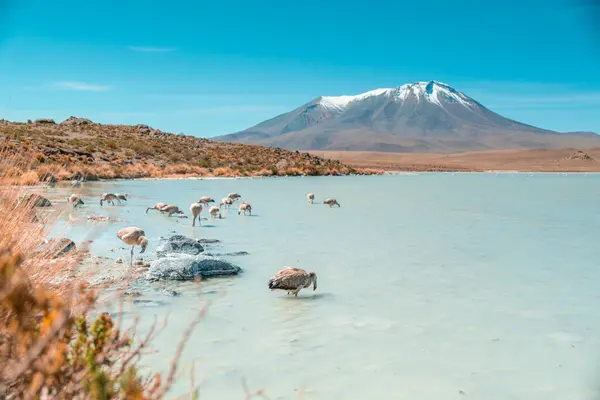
(419, 117)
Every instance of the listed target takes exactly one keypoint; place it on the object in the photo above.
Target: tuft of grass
(51, 345)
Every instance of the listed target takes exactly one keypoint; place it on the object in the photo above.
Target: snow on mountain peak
(431, 91)
(341, 102)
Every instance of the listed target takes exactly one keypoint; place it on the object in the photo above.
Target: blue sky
(209, 68)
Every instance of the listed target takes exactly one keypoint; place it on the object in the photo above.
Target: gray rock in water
(35, 200)
(209, 241)
(149, 302)
(57, 247)
(235, 253)
(170, 292)
(183, 267)
(179, 244)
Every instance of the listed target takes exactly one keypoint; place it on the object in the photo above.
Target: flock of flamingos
(289, 279)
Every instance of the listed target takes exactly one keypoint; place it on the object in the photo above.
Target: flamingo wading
(196, 209)
(133, 236)
(245, 208)
(75, 200)
(157, 206)
(331, 202)
(292, 280)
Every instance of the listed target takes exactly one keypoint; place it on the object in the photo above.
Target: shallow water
(430, 286)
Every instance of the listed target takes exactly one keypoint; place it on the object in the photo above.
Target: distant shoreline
(495, 161)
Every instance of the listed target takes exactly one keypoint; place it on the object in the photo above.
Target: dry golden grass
(95, 151)
(535, 160)
(49, 346)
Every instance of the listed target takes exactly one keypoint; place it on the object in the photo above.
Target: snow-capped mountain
(418, 117)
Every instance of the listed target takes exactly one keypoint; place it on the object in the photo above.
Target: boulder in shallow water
(57, 247)
(182, 267)
(35, 200)
(179, 244)
(235, 253)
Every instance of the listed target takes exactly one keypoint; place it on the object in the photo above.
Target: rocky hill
(80, 148)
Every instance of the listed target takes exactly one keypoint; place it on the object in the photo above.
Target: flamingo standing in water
(109, 198)
(133, 236)
(157, 206)
(75, 200)
(214, 212)
(196, 209)
(206, 200)
(310, 197)
(331, 202)
(233, 196)
(293, 280)
(226, 202)
(170, 209)
(245, 208)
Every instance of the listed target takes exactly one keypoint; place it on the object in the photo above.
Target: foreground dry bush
(50, 347)
(95, 151)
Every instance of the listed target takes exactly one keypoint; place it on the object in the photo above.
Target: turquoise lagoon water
(430, 286)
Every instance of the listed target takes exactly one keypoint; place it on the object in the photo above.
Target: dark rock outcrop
(179, 244)
(76, 121)
(235, 253)
(69, 152)
(183, 267)
(48, 121)
(57, 247)
(580, 155)
(35, 200)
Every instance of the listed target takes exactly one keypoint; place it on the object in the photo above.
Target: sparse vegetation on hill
(77, 148)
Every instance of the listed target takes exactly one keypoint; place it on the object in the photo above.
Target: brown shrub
(49, 347)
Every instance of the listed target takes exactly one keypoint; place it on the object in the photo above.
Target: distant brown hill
(423, 117)
(537, 160)
(79, 148)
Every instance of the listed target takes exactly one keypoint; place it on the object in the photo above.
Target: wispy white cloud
(151, 49)
(81, 86)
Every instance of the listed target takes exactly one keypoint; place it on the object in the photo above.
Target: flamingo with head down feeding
(133, 236)
(292, 280)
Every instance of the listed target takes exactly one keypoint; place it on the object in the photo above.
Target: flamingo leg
(131, 258)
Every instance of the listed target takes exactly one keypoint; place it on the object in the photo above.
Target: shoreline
(565, 160)
(41, 185)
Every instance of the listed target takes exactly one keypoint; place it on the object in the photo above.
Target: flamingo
(109, 198)
(157, 206)
(170, 209)
(206, 200)
(310, 197)
(196, 209)
(331, 202)
(225, 202)
(293, 280)
(245, 207)
(133, 236)
(214, 211)
(75, 200)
